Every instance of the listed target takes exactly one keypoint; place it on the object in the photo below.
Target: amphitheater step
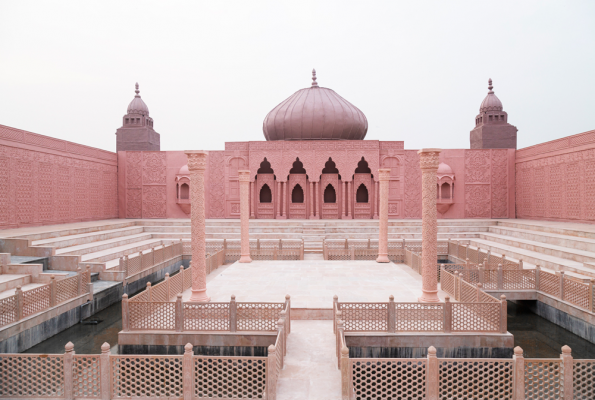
(120, 251)
(84, 238)
(103, 245)
(556, 239)
(11, 281)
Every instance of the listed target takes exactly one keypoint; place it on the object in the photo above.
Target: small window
(361, 196)
(265, 194)
(126, 120)
(490, 118)
(297, 194)
(330, 196)
(184, 191)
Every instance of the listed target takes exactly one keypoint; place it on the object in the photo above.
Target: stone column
(317, 200)
(244, 216)
(348, 200)
(252, 196)
(344, 201)
(376, 200)
(383, 176)
(278, 200)
(311, 202)
(428, 160)
(197, 162)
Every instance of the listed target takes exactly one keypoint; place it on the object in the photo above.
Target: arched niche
(297, 194)
(265, 195)
(184, 191)
(297, 183)
(232, 185)
(330, 195)
(265, 191)
(361, 196)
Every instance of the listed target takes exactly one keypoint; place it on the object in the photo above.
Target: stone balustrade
(24, 304)
(354, 249)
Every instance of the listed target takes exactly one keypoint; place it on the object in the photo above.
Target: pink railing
(26, 303)
(357, 249)
(482, 313)
(135, 264)
(111, 376)
(145, 313)
(465, 378)
(467, 254)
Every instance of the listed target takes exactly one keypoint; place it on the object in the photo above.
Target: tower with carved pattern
(137, 133)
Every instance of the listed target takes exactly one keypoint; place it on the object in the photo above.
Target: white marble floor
(313, 283)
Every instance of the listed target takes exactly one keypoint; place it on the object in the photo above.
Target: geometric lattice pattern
(229, 377)
(549, 283)
(67, 289)
(8, 310)
(418, 317)
(476, 380)
(147, 376)
(207, 317)
(475, 317)
(518, 279)
(86, 376)
(542, 379)
(364, 317)
(258, 316)
(394, 379)
(31, 376)
(36, 300)
(576, 293)
(153, 315)
(583, 378)
(468, 293)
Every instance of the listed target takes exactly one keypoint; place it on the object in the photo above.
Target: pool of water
(539, 338)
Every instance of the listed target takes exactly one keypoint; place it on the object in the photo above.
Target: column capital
(384, 174)
(197, 160)
(429, 159)
(244, 175)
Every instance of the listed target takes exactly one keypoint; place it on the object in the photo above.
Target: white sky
(210, 71)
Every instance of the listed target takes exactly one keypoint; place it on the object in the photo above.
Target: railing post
(488, 255)
(518, 380)
(106, 376)
(302, 251)
(562, 285)
(280, 244)
(481, 275)
(275, 254)
(281, 331)
(19, 294)
(338, 342)
(188, 372)
(125, 320)
(182, 274)
(149, 291)
(288, 312)
(52, 291)
(79, 280)
(257, 244)
(479, 285)
(346, 244)
(391, 314)
(567, 373)
(591, 295)
(325, 251)
(456, 285)
(335, 309)
(179, 313)
(537, 276)
(432, 375)
(447, 315)
(500, 278)
(503, 314)
(167, 285)
(352, 253)
(345, 375)
(521, 263)
(271, 385)
(467, 262)
(233, 314)
(68, 360)
(368, 243)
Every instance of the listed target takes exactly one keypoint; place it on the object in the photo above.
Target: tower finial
(314, 83)
(136, 91)
(490, 87)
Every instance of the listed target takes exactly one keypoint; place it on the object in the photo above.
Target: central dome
(315, 113)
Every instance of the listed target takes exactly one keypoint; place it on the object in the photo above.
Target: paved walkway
(310, 371)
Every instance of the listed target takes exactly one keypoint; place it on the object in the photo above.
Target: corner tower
(137, 131)
(492, 130)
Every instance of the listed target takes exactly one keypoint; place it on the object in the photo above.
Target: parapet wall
(46, 181)
(556, 180)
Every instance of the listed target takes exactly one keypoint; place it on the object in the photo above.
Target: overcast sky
(210, 71)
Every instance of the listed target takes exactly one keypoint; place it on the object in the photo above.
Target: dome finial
(490, 87)
(314, 83)
(136, 91)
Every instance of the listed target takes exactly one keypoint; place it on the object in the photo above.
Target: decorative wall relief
(154, 167)
(499, 174)
(216, 184)
(154, 202)
(477, 201)
(412, 185)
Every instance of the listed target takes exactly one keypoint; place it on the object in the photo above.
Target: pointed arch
(297, 194)
(361, 195)
(330, 195)
(184, 191)
(362, 167)
(266, 195)
(330, 167)
(265, 167)
(298, 167)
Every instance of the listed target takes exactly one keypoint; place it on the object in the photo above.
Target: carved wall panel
(589, 193)
(477, 184)
(134, 203)
(499, 174)
(216, 191)
(46, 191)
(154, 167)
(232, 190)
(154, 200)
(5, 204)
(535, 178)
(477, 201)
(395, 191)
(134, 169)
(412, 185)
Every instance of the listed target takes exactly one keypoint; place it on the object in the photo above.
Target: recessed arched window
(362, 167)
(297, 194)
(184, 191)
(445, 189)
(265, 194)
(265, 168)
(330, 167)
(361, 196)
(330, 196)
(298, 167)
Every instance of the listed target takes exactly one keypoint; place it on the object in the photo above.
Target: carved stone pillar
(197, 162)
(311, 202)
(252, 195)
(317, 200)
(383, 176)
(344, 201)
(244, 216)
(348, 200)
(429, 160)
(376, 200)
(278, 191)
(282, 190)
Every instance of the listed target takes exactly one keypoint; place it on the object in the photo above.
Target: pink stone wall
(44, 180)
(556, 180)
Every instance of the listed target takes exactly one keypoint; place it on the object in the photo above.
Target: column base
(245, 259)
(429, 297)
(346, 217)
(375, 217)
(199, 296)
(314, 217)
(382, 258)
(281, 217)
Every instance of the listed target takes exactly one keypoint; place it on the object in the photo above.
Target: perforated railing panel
(66, 289)
(8, 310)
(549, 283)
(206, 317)
(258, 316)
(152, 315)
(362, 317)
(414, 317)
(147, 376)
(86, 376)
(31, 376)
(388, 379)
(475, 317)
(584, 379)
(542, 379)
(475, 380)
(518, 279)
(229, 377)
(576, 293)
(36, 300)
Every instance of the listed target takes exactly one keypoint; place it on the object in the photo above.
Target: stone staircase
(313, 234)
